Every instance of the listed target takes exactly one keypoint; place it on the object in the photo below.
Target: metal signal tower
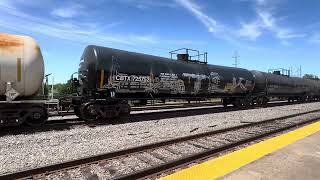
(236, 59)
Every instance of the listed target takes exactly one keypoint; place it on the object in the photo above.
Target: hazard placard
(12, 94)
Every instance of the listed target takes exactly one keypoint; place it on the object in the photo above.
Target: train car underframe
(91, 109)
(31, 112)
(94, 109)
(245, 101)
(262, 100)
(303, 98)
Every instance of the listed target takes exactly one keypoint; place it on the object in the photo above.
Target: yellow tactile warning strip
(223, 165)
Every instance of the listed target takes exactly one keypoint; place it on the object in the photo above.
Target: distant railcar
(291, 88)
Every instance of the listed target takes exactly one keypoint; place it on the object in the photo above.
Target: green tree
(64, 88)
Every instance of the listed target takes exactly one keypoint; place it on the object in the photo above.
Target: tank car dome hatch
(21, 64)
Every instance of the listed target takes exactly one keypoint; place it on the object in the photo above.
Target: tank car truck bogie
(239, 101)
(17, 113)
(37, 115)
(94, 109)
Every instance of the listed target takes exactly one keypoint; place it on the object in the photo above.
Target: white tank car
(21, 64)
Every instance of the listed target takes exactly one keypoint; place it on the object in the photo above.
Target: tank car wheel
(225, 102)
(262, 101)
(247, 103)
(236, 103)
(253, 102)
(143, 102)
(265, 101)
(37, 116)
(290, 100)
(89, 113)
(125, 110)
(77, 111)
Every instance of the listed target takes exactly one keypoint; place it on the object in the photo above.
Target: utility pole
(52, 87)
(300, 71)
(236, 59)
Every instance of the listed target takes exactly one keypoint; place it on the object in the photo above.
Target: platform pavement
(297, 161)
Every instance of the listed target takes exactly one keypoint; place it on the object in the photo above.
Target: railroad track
(164, 113)
(68, 123)
(161, 107)
(171, 113)
(149, 161)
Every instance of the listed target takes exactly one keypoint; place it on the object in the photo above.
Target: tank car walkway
(292, 156)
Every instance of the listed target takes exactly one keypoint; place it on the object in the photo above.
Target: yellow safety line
(19, 69)
(223, 165)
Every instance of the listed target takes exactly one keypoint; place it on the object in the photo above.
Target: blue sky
(266, 33)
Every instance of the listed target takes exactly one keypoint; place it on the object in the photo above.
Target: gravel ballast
(25, 151)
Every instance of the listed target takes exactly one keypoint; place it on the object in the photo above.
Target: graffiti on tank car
(240, 85)
(171, 83)
(213, 80)
(197, 86)
(197, 81)
(249, 85)
(179, 87)
(215, 83)
(153, 87)
(195, 76)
